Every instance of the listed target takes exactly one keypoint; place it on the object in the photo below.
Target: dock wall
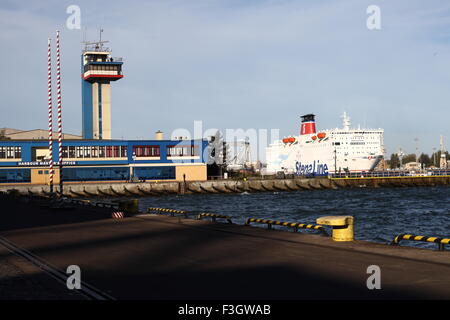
(144, 189)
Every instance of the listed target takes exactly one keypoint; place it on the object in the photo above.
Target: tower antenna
(84, 34)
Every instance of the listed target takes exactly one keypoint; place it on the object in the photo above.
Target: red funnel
(308, 124)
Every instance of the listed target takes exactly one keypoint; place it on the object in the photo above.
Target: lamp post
(335, 162)
(133, 167)
(434, 157)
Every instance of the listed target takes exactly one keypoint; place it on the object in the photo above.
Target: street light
(133, 166)
(335, 162)
(434, 157)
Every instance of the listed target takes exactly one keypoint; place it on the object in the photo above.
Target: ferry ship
(320, 153)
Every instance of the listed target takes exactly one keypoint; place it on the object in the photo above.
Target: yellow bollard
(342, 226)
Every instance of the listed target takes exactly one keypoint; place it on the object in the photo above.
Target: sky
(239, 64)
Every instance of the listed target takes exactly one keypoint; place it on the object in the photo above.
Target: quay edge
(145, 189)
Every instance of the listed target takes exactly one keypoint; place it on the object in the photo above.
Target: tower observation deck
(98, 69)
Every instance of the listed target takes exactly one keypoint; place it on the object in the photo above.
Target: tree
(425, 160)
(394, 162)
(409, 158)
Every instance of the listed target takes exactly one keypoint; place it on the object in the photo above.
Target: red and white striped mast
(50, 111)
(58, 84)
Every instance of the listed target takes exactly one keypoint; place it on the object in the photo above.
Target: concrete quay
(145, 189)
(159, 257)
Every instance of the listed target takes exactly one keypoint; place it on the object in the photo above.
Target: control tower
(98, 69)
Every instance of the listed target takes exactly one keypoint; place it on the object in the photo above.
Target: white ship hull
(338, 150)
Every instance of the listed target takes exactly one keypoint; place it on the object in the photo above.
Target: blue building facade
(26, 161)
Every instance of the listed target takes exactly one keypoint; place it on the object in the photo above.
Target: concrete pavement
(157, 257)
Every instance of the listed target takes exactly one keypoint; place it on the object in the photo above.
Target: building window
(15, 175)
(116, 151)
(10, 152)
(94, 152)
(123, 151)
(194, 151)
(182, 151)
(109, 152)
(101, 151)
(65, 152)
(87, 152)
(155, 173)
(79, 152)
(71, 152)
(146, 151)
(18, 152)
(96, 174)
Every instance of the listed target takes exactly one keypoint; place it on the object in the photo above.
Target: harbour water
(380, 214)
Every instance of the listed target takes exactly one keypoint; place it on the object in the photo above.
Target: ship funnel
(308, 124)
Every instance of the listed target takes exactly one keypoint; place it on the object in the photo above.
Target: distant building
(412, 166)
(36, 134)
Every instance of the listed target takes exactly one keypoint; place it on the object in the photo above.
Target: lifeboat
(314, 137)
(321, 135)
(289, 140)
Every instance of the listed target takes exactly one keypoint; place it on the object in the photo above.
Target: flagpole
(58, 78)
(50, 112)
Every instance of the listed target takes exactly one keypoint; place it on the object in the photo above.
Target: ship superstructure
(328, 151)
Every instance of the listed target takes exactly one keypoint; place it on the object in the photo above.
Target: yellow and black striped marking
(440, 241)
(294, 225)
(214, 216)
(172, 212)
